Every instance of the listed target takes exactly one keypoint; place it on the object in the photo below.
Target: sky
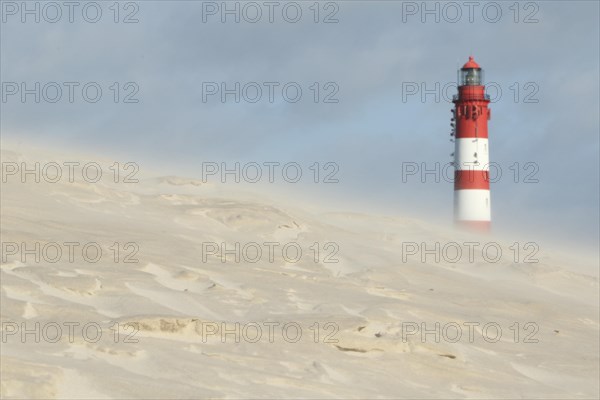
(362, 68)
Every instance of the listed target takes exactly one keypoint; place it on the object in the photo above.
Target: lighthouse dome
(471, 64)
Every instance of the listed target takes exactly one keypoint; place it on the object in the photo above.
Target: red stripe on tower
(471, 180)
(471, 153)
(475, 226)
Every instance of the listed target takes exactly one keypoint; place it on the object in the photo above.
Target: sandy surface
(154, 326)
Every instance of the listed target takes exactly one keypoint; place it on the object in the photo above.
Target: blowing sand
(157, 314)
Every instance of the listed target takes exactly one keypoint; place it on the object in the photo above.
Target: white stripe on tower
(472, 205)
(464, 154)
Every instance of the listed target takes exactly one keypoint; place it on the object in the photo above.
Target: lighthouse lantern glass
(471, 77)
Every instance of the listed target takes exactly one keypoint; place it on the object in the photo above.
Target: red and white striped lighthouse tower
(471, 151)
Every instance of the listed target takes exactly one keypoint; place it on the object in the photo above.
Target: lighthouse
(470, 117)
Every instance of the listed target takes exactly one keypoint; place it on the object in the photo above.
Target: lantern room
(470, 74)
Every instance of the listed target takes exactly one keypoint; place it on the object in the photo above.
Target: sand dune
(178, 319)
